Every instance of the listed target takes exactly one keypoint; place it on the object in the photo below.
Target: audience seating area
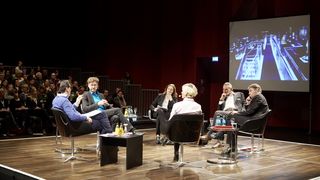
(35, 87)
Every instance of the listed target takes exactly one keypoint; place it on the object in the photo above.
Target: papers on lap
(92, 113)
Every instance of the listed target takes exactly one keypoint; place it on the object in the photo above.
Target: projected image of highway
(272, 56)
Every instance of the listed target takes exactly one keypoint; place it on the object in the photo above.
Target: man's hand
(234, 112)
(78, 100)
(103, 102)
(248, 100)
(223, 96)
(89, 120)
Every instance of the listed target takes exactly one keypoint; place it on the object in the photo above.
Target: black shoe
(133, 130)
(169, 142)
(164, 141)
(226, 152)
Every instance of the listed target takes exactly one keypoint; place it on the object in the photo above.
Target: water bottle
(121, 131)
(117, 130)
(218, 121)
(126, 113)
(223, 121)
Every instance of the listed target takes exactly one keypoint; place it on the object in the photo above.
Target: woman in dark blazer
(163, 102)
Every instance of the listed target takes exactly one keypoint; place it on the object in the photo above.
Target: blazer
(88, 103)
(239, 102)
(159, 100)
(257, 107)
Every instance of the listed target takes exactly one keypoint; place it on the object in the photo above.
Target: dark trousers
(240, 120)
(115, 116)
(162, 121)
(226, 114)
(101, 123)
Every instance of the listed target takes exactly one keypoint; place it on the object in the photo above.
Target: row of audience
(26, 100)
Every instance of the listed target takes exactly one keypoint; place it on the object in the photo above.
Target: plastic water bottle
(223, 121)
(218, 121)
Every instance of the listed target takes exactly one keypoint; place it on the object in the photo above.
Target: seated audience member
(163, 102)
(108, 97)
(127, 78)
(93, 100)
(186, 106)
(256, 105)
(35, 108)
(99, 122)
(229, 101)
(119, 100)
(20, 112)
(7, 122)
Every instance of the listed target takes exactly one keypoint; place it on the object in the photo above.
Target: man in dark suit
(256, 105)
(93, 100)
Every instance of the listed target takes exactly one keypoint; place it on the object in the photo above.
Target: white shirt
(188, 105)
(229, 102)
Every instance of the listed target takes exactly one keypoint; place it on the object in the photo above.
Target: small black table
(109, 149)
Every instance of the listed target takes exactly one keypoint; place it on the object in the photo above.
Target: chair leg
(262, 143)
(180, 162)
(57, 136)
(62, 150)
(98, 144)
(71, 157)
(252, 143)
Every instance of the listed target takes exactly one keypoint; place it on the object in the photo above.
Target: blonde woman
(186, 106)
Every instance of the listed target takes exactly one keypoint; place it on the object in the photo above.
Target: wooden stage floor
(280, 160)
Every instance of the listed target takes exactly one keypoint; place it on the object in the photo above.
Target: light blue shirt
(96, 99)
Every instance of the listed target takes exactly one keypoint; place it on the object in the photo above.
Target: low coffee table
(109, 149)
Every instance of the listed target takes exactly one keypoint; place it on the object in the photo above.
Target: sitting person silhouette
(186, 106)
(228, 102)
(163, 102)
(99, 122)
(256, 105)
(93, 100)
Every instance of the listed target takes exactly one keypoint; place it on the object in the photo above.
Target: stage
(280, 160)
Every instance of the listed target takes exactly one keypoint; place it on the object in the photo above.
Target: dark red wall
(161, 42)
(157, 42)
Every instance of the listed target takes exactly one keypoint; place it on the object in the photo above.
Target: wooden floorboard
(280, 160)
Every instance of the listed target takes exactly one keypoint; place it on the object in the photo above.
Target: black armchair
(182, 129)
(67, 128)
(153, 119)
(255, 128)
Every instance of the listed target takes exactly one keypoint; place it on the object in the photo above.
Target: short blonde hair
(190, 90)
(256, 87)
(92, 79)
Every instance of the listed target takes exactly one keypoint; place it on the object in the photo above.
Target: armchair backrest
(256, 125)
(67, 128)
(185, 127)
